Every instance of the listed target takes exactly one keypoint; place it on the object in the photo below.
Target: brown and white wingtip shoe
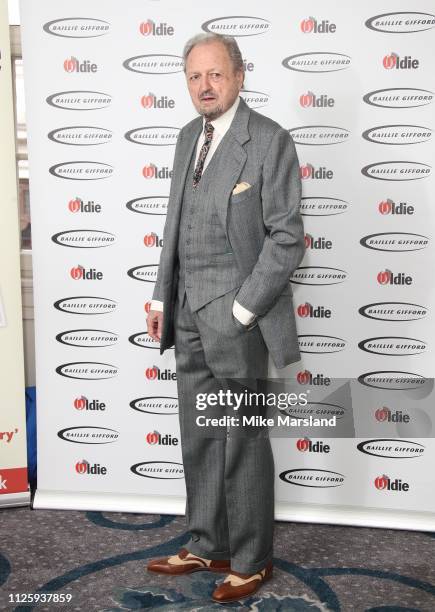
(185, 562)
(237, 586)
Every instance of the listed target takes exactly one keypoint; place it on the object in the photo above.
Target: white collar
(223, 122)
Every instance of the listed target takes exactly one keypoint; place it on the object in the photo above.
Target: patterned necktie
(208, 131)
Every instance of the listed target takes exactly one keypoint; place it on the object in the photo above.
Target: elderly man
(233, 237)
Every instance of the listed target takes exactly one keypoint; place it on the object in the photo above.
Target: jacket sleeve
(283, 247)
(164, 264)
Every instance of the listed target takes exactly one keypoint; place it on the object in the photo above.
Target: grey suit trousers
(229, 472)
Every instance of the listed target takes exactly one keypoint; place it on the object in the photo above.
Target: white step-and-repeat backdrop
(106, 97)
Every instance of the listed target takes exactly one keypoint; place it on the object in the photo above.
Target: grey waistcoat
(207, 267)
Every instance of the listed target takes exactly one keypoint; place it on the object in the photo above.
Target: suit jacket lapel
(232, 159)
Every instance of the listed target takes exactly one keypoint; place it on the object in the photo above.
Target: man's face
(213, 84)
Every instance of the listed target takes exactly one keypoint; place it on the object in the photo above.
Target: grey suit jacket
(263, 224)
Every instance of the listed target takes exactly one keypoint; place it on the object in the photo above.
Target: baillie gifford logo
(385, 483)
(387, 277)
(305, 444)
(403, 22)
(155, 373)
(84, 467)
(307, 310)
(93, 405)
(311, 100)
(307, 378)
(150, 28)
(73, 64)
(154, 172)
(150, 100)
(311, 25)
(394, 61)
(81, 273)
(308, 171)
(389, 207)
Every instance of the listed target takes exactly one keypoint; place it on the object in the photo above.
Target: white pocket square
(240, 187)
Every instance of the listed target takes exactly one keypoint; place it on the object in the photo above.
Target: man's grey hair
(229, 43)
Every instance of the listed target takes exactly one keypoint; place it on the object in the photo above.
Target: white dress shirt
(221, 126)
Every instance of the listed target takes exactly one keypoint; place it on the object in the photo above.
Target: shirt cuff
(156, 305)
(242, 314)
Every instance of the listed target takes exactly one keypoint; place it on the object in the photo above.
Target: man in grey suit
(233, 237)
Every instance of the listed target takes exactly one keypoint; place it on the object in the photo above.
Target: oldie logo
(84, 467)
(392, 380)
(84, 239)
(322, 207)
(89, 435)
(305, 445)
(85, 305)
(397, 171)
(87, 338)
(154, 63)
(320, 243)
(309, 172)
(156, 405)
(73, 64)
(311, 25)
(396, 346)
(317, 61)
(317, 312)
(144, 340)
(80, 135)
(311, 100)
(385, 483)
(151, 28)
(388, 277)
(149, 205)
(402, 22)
(147, 273)
(318, 275)
(158, 135)
(77, 27)
(152, 101)
(155, 373)
(79, 100)
(83, 403)
(396, 242)
(237, 26)
(80, 273)
(398, 134)
(389, 207)
(394, 61)
(305, 377)
(166, 470)
(87, 370)
(320, 344)
(393, 311)
(151, 171)
(385, 415)
(82, 170)
(399, 97)
(391, 448)
(306, 477)
(254, 99)
(319, 135)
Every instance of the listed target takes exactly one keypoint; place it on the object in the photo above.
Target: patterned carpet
(99, 559)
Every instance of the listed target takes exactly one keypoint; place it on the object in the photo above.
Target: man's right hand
(155, 324)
